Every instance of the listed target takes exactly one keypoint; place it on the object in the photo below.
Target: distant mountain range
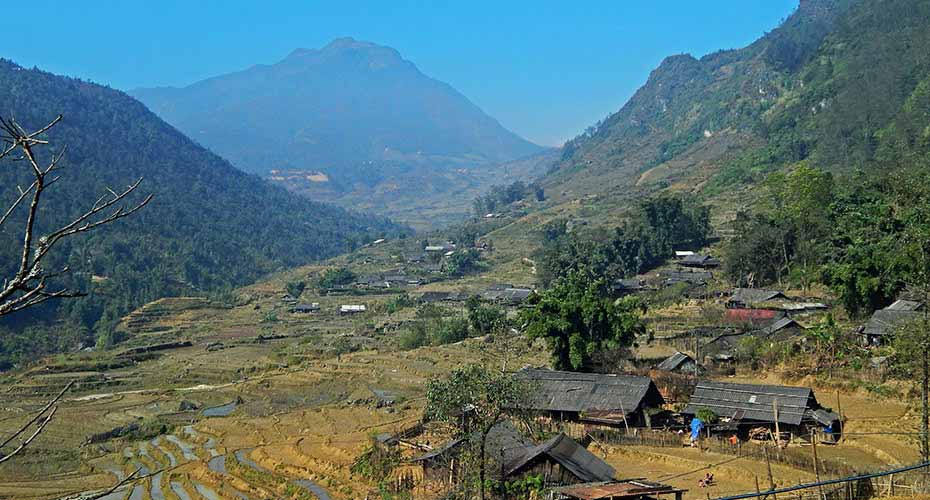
(210, 227)
(352, 119)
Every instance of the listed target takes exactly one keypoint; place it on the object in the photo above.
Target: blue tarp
(696, 427)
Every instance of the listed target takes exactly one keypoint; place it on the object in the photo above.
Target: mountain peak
(342, 44)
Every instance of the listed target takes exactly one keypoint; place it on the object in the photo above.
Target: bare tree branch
(41, 420)
(28, 285)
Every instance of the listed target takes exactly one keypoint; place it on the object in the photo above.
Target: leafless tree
(37, 423)
(29, 284)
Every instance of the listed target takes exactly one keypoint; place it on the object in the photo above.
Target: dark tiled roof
(674, 361)
(503, 441)
(699, 260)
(779, 325)
(580, 392)
(752, 402)
(569, 454)
(690, 277)
(904, 305)
(754, 295)
(886, 321)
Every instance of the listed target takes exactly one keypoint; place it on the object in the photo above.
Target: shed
(748, 405)
(679, 363)
(561, 460)
(592, 398)
(615, 490)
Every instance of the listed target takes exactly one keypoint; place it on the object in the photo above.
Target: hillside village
(346, 381)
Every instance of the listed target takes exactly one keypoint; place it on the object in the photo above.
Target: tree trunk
(482, 463)
(925, 397)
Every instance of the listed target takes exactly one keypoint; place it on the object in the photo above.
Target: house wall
(750, 314)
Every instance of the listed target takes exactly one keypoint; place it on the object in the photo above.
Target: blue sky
(544, 69)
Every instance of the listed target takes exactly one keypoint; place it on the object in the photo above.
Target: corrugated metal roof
(569, 454)
(754, 401)
(597, 491)
(579, 392)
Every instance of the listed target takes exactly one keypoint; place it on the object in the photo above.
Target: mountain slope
(350, 117)
(695, 115)
(211, 226)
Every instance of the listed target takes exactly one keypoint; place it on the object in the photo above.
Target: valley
(354, 283)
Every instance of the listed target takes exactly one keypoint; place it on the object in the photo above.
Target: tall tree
(472, 400)
(578, 319)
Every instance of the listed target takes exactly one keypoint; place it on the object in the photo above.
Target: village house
(627, 286)
(780, 329)
(748, 298)
(699, 261)
(694, 278)
(507, 294)
(754, 304)
(745, 409)
(885, 322)
(306, 308)
(512, 456)
(615, 401)
(560, 461)
(437, 296)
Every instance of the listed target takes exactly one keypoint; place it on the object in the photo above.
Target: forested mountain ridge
(210, 226)
(694, 116)
(345, 123)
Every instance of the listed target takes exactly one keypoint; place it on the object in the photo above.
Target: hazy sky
(545, 69)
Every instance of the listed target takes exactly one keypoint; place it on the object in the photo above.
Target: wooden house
(885, 322)
(744, 407)
(560, 461)
(607, 400)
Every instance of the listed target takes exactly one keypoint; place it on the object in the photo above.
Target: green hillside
(210, 227)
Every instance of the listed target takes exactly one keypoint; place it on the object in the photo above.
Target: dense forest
(650, 235)
(211, 227)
